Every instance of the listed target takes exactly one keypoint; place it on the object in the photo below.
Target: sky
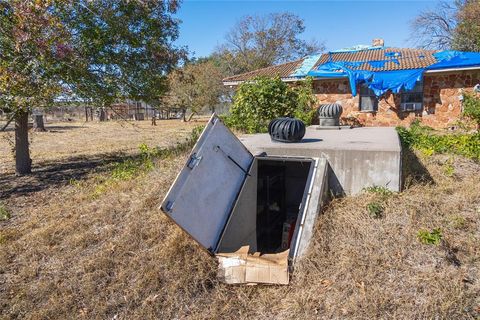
(338, 24)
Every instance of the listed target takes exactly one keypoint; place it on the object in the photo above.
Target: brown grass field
(81, 245)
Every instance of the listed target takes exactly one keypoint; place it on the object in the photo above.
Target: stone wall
(442, 105)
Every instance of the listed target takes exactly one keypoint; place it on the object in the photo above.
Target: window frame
(370, 94)
(418, 89)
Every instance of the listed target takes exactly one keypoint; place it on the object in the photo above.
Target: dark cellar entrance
(266, 213)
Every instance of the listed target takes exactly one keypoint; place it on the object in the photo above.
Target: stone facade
(441, 101)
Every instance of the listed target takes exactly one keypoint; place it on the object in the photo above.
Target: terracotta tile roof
(397, 59)
(282, 70)
(407, 58)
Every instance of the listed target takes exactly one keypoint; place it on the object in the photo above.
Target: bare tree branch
(433, 28)
(261, 41)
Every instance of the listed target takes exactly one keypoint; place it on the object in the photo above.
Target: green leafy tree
(125, 48)
(93, 50)
(259, 101)
(261, 41)
(196, 87)
(30, 67)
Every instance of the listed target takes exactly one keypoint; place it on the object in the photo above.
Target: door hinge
(169, 206)
(193, 161)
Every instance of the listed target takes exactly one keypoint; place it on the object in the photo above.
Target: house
(383, 86)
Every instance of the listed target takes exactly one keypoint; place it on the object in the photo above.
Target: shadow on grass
(49, 128)
(57, 173)
(413, 171)
(58, 128)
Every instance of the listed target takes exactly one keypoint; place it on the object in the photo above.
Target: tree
(259, 101)
(126, 48)
(433, 28)
(261, 41)
(98, 51)
(467, 33)
(196, 87)
(29, 69)
(449, 26)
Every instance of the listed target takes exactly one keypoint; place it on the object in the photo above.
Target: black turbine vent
(286, 129)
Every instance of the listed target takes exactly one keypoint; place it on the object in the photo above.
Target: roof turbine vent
(286, 129)
(329, 114)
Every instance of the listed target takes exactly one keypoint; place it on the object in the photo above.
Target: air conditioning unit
(411, 106)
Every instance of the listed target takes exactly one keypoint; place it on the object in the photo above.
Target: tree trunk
(103, 115)
(38, 124)
(23, 163)
(184, 116)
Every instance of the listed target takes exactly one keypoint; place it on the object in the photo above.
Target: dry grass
(84, 139)
(67, 254)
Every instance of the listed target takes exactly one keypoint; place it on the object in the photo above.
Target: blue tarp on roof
(455, 59)
(382, 81)
(395, 81)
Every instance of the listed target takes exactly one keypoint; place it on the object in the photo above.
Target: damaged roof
(281, 70)
(374, 59)
(383, 59)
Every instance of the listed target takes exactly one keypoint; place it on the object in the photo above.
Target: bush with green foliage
(430, 237)
(429, 142)
(471, 107)
(259, 101)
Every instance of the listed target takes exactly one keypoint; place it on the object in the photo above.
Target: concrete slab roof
(361, 139)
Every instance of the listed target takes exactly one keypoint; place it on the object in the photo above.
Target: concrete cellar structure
(357, 157)
(253, 202)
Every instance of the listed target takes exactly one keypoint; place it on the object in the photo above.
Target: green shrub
(259, 101)
(471, 107)
(430, 237)
(375, 209)
(429, 142)
(4, 213)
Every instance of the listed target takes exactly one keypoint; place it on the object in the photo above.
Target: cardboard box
(240, 267)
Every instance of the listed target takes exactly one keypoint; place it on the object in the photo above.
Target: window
(368, 99)
(412, 100)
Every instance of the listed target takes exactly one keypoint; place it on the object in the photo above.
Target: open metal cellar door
(204, 192)
(255, 214)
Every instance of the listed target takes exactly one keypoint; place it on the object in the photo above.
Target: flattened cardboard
(240, 267)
